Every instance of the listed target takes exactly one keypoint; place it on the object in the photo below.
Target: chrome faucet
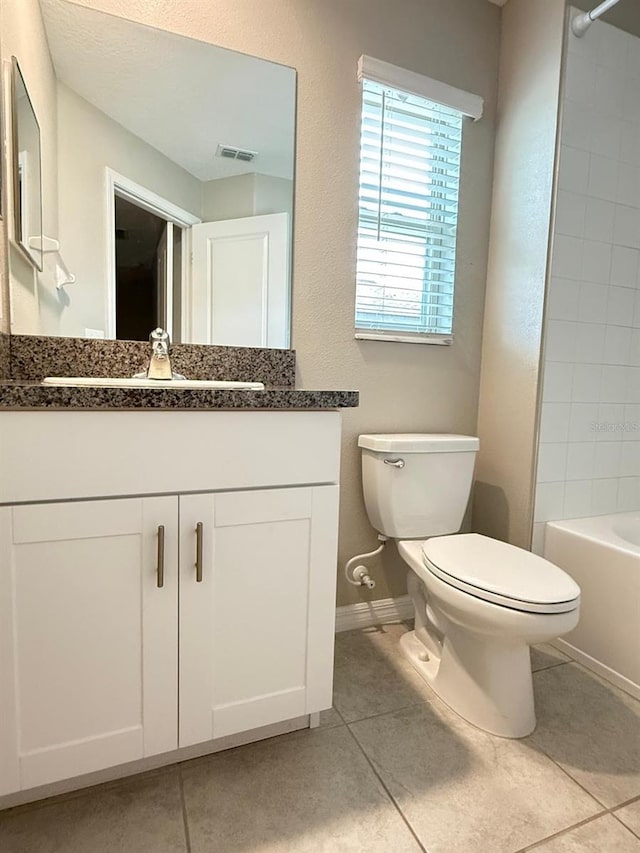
(160, 363)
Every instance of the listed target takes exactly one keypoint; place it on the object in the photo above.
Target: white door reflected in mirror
(240, 292)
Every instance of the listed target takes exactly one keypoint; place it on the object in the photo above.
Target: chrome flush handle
(397, 463)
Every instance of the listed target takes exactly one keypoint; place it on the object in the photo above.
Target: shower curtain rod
(582, 22)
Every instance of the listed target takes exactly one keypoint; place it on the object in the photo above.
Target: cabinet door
(256, 632)
(88, 640)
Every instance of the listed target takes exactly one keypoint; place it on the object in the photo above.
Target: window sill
(433, 340)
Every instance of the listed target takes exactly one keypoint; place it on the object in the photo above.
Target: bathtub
(602, 555)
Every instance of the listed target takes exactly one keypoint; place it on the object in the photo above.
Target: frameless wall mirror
(27, 174)
(173, 201)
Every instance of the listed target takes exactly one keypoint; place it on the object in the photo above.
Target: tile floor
(389, 769)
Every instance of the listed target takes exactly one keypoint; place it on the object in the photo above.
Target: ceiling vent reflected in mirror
(234, 153)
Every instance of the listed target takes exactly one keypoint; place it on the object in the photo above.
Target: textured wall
(589, 460)
(530, 64)
(403, 387)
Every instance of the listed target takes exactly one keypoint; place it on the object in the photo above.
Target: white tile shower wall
(589, 455)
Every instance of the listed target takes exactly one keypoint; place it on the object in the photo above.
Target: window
(408, 204)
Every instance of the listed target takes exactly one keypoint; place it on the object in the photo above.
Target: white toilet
(479, 603)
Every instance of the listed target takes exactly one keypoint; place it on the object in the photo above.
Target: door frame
(123, 187)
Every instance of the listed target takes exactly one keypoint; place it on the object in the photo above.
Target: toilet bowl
(476, 639)
(479, 603)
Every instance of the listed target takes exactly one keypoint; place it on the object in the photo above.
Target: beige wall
(530, 65)
(33, 296)
(403, 387)
(246, 195)
(227, 198)
(89, 141)
(272, 195)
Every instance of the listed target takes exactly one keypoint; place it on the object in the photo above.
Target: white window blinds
(408, 213)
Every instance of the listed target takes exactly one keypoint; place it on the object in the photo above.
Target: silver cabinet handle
(397, 463)
(160, 566)
(199, 532)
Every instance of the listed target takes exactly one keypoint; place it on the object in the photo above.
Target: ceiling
(179, 95)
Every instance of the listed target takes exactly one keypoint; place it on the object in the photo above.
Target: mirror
(173, 194)
(27, 159)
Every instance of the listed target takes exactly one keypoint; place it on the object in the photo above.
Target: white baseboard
(599, 668)
(367, 613)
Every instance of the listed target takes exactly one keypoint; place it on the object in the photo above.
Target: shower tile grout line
(387, 791)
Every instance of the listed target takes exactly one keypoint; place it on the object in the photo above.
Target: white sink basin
(107, 382)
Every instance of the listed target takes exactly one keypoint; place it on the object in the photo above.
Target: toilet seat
(500, 573)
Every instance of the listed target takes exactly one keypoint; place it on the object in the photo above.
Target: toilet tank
(425, 493)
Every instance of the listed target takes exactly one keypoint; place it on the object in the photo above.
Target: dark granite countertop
(32, 395)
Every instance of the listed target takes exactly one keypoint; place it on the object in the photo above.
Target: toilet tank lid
(413, 442)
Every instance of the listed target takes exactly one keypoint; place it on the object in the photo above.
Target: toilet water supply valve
(359, 575)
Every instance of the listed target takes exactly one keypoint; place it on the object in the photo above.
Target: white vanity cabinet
(88, 641)
(255, 631)
(135, 626)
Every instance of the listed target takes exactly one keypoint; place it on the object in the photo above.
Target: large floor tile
(464, 791)
(371, 675)
(630, 816)
(545, 655)
(591, 729)
(143, 814)
(311, 791)
(602, 835)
